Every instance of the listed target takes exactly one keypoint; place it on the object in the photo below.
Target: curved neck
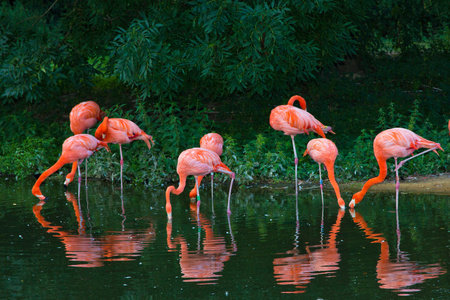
(176, 191)
(376, 180)
(330, 169)
(61, 162)
(300, 100)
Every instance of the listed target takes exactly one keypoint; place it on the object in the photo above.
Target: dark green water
(91, 244)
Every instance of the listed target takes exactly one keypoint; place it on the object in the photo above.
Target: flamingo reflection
(89, 251)
(202, 265)
(299, 269)
(401, 273)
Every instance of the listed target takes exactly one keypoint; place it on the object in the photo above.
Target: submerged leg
(79, 171)
(121, 167)
(198, 195)
(296, 163)
(85, 181)
(231, 187)
(212, 192)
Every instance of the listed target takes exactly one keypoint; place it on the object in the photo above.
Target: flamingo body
(292, 121)
(324, 151)
(196, 162)
(121, 131)
(84, 116)
(394, 142)
(75, 148)
(213, 142)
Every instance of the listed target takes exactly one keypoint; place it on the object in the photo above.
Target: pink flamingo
(121, 131)
(324, 151)
(213, 142)
(83, 116)
(292, 121)
(197, 162)
(395, 142)
(75, 148)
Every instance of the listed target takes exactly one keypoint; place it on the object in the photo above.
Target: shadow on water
(103, 242)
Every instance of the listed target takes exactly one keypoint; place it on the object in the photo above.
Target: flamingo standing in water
(75, 148)
(324, 151)
(121, 131)
(292, 121)
(213, 142)
(83, 116)
(395, 142)
(197, 162)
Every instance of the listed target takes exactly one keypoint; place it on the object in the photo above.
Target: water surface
(98, 243)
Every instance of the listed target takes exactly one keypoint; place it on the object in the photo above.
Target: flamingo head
(100, 133)
(356, 199)
(327, 129)
(341, 203)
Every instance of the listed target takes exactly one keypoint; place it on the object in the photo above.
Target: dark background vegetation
(181, 69)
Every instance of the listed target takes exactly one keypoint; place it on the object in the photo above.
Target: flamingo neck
(71, 175)
(176, 191)
(35, 190)
(300, 100)
(376, 180)
(330, 169)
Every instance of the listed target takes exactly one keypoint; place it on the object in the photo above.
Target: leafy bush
(26, 157)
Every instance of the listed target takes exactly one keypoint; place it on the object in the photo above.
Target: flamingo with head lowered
(324, 151)
(74, 149)
(197, 162)
(83, 116)
(213, 142)
(394, 142)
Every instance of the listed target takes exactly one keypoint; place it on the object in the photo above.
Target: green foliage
(26, 157)
(229, 46)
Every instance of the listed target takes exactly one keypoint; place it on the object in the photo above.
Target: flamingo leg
(212, 192)
(198, 195)
(397, 181)
(86, 166)
(405, 160)
(320, 176)
(121, 167)
(231, 187)
(79, 171)
(296, 163)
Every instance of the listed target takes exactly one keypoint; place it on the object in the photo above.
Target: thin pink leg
(198, 195)
(79, 171)
(296, 163)
(397, 181)
(121, 167)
